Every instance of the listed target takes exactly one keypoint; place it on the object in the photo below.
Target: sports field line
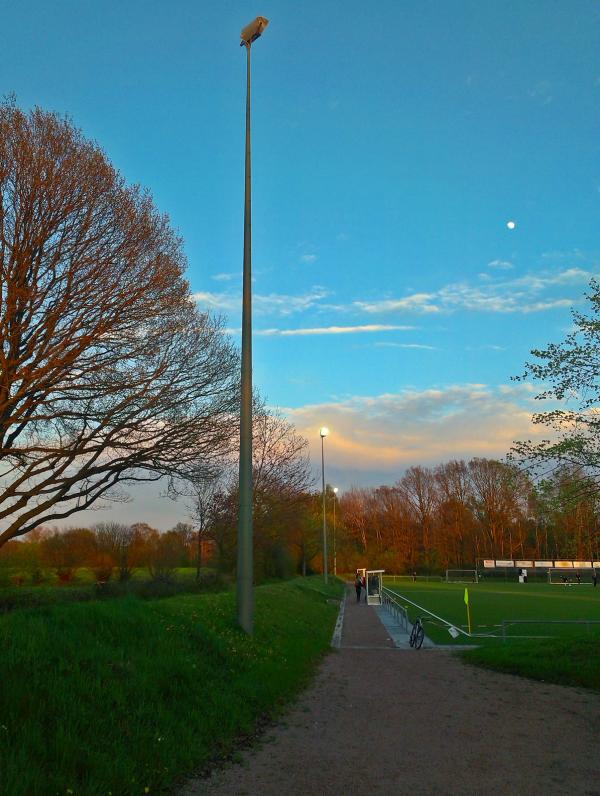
(440, 618)
(445, 621)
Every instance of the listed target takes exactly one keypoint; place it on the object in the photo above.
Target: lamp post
(335, 491)
(324, 432)
(245, 606)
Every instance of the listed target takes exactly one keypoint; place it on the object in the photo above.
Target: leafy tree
(568, 372)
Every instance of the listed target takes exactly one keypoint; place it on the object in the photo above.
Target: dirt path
(381, 720)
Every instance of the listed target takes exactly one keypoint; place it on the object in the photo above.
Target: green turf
(490, 603)
(126, 695)
(559, 660)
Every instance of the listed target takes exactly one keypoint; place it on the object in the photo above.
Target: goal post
(565, 577)
(461, 576)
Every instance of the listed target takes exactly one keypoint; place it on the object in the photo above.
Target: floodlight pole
(323, 433)
(245, 595)
(335, 491)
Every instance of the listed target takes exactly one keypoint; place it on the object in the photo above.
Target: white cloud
(501, 265)
(272, 303)
(486, 347)
(216, 301)
(520, 294)
(375, 327)
(406, 345)
(417, 302)
(224, 277)
(396, 430)
(308, 258)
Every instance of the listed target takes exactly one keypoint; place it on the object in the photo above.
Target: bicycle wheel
(419, 636)
(413, 635)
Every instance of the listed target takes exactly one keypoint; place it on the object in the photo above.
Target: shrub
(65, 574)
(103, 568)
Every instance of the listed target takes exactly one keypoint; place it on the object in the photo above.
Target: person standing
(358, 586)
(594, 577)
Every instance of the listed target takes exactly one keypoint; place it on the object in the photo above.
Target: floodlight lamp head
(253, 30)
(324, 431)
(335, 490)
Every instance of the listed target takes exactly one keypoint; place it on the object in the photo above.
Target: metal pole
(245, 596)
(334, 550)
(324, 515)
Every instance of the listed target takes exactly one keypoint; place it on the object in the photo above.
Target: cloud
(496, 299)
(308, 258)
(502, 265)
(374, 327)
(520, 294)
(486, 347)
(406, 345)
(216, 301)
(393, 431)
(263, 304)
(225, 277)
(417, 302)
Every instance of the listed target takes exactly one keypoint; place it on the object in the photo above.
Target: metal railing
(409, 578)
(399, 612)
(392, 596)
(508, 622)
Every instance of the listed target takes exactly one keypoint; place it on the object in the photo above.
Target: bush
(65, 574)
(103, 568)
(163, 559)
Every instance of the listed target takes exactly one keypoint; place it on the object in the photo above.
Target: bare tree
(108, 373)
(202, 510)
(420, 490)
(116, 539)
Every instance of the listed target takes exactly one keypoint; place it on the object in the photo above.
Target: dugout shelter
(374, 579)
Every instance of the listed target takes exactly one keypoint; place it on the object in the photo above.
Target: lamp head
(253, 30)
(324, 431)
(335, 490)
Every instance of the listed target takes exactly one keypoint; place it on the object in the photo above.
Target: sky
(392, 144)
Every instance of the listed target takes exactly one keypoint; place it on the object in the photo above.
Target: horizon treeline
(431, 519)
(448, 516)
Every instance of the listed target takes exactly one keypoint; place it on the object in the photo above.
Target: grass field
(490, 603)
(84, 587)
(126, 696)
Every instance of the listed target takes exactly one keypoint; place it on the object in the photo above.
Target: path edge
(336, 639)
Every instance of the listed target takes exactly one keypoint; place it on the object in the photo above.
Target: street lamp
(324, 432)
(245, 606)
(335, 491)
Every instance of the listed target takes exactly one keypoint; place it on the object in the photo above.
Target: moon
(511, 224)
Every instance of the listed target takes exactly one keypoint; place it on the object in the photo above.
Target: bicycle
(417, 634)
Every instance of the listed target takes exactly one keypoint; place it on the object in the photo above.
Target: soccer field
(491, 603)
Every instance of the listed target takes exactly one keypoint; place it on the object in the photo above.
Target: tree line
(449, 516)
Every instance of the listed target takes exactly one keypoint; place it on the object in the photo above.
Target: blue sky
(391, 145)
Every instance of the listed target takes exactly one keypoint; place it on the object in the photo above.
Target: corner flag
(468, 610)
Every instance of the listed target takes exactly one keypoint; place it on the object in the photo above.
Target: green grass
(122, 695)
(564, 661)
(490, 603)
(84, 587)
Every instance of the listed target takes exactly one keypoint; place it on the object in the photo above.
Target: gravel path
(383, 720)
